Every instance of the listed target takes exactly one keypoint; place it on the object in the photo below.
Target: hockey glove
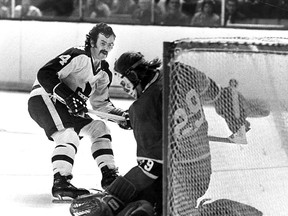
(75, 101)
(119, 193)
(91, 205)
(124, 124)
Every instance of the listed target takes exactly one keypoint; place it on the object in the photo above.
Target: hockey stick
(222, 139)
(219, 139)
(111, 117)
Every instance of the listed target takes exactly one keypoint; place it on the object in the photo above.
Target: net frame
(268, 45)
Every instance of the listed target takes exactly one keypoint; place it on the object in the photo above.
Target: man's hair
(100, 28)
(134, 66)
(210, 2)
(233, 82)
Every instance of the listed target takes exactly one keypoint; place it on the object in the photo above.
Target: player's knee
(66, 136)
(138, 208)
(96, 129)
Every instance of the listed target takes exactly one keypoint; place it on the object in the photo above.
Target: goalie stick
(222, 139)
(111, 117)
(219, 139)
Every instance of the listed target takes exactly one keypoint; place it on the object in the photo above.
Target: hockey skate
(239, 137)
(108, 176)
(63, 191)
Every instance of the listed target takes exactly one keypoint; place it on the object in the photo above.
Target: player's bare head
(100, 37)
(134, 67)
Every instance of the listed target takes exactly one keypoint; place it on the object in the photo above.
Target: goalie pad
(123, 189)
(140, 207)
(226, 207)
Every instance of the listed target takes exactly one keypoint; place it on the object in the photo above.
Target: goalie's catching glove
(75, 101)
(91, 205)
(110, 203)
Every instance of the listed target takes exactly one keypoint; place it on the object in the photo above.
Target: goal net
(259, 67)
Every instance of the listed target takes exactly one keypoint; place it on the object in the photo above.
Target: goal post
(260, 67)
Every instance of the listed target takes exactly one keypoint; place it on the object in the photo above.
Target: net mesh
(260, 69)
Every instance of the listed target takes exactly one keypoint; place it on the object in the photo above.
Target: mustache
(104, 52)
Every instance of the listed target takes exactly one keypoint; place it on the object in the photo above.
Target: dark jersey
(146, 120)
(192, 89)
(74, 68)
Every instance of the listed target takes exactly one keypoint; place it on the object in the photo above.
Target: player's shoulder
(75, 51)
(105, 65)
(76, 54)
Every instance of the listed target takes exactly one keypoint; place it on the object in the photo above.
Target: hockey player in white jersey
(58, 104)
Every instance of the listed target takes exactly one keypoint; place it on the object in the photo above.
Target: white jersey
(74, 68)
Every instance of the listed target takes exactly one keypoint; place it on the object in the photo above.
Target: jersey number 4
(64, 59)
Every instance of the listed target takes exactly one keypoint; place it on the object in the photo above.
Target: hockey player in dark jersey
(58, 104)
(232, 99)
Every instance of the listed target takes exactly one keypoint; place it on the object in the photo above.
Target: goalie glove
(91, 205)
(108, 203)
(75, 101)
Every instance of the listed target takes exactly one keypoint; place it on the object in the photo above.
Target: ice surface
(255, 174)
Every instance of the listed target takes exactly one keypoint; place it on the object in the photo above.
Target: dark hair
(102, 28)
(231, 81)
(130, 63)
(210, 2)
(168, 1)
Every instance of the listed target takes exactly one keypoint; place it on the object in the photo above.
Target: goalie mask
(125, 68)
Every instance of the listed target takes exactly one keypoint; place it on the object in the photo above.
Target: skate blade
(60, 199)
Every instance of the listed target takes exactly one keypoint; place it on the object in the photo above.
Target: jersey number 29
(190, 116)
